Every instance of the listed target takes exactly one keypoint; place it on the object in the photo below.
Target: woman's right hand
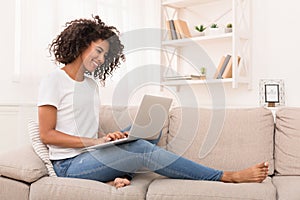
(115, 136)
(108, 137)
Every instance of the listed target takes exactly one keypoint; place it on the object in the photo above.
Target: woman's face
(95, 55)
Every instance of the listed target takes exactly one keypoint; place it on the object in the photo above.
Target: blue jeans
(123, 160)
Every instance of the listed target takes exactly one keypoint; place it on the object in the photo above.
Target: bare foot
(256, 174)
(119, 182)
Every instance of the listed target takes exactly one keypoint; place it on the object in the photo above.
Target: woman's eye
(99, 51)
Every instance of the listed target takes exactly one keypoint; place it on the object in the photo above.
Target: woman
(68, 106)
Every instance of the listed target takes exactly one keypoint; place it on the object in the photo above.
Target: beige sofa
(230, 139)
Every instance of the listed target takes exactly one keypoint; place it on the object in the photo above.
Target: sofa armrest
(22, 164)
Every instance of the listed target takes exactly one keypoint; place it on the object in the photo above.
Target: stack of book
(177, 29)
(224, 69)
(182, 77)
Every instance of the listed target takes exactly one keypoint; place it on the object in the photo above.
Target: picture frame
(271, 100)
(272, 93)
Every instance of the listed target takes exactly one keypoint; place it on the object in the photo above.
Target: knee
(142, 142)
(145, 145)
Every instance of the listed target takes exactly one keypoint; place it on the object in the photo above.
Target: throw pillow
(22, 164)
(40, 149)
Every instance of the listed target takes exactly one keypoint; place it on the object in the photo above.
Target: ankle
(228, 177)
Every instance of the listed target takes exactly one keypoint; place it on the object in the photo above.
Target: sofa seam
(147, 189)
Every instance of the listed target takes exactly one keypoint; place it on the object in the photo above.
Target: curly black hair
(79, 34)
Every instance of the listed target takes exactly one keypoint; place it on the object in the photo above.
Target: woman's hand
(115, 136)
(107, 138)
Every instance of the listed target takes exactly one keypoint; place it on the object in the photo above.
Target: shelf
(184, 3)
(187, 41)
(236, 43)
(197, 82)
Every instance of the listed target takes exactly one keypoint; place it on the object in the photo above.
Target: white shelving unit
(237, 43)
(188, 41)
(196, 82)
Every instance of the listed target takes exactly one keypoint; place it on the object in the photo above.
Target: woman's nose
(101, 58)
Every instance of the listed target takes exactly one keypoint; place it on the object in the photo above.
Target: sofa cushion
(189, 189)
(40, 149)
(119, 117)
(72, 188)
(287, 187)
(22, 164)
(11, 189)
(231, 139)
(287, 140)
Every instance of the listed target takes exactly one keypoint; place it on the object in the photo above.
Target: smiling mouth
(96, 64)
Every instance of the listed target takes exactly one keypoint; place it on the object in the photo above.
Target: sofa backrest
(230, 139)
(287, 141)
(119, 117)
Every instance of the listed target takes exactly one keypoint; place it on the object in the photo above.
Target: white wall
(275, 55)
(282, 50)
(275, 48)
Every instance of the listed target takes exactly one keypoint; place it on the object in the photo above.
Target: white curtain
(28, 27)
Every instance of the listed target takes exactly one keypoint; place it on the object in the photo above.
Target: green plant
(229, 25)
(200, 28)
(203, 70)
(214, 26)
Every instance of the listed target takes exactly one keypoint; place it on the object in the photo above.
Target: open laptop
(148, 122)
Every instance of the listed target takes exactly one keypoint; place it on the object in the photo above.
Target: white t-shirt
(77, 104)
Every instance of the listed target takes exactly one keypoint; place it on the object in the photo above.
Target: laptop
(148, 122)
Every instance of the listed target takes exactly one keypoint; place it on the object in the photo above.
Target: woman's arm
(48, 134)
(47, 123)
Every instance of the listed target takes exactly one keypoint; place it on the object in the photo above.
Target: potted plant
(214, 26)
(214, 29)
(201, 28)
(202, 73)
(228, 28)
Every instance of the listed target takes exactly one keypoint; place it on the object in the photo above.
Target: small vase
(228, 30)
(199, 34)
(214, 31)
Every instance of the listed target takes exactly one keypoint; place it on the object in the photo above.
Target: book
(219, 66)
(227, 58)
(168, 30)
(173, 30)
(183, 77)
(182, 29)
(178, 29)
(228, 70)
